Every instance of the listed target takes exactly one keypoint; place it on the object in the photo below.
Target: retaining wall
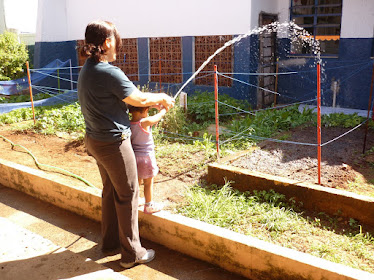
(313, 197)
(234, 252)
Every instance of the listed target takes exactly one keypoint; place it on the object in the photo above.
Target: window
(166, 59)
(322, 20)
(205, 46)
(127, 59)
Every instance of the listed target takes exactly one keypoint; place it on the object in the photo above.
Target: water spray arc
(294, 30)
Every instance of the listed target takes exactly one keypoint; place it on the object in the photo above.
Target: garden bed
(181, 167)
(343, 164)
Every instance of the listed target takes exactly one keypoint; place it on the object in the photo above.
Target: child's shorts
(147, 166)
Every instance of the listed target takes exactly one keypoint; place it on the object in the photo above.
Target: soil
(343, 165)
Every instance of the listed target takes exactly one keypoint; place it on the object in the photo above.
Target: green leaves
(24, 98)
(340, 119)
(50, 119)
(13, 56)
(66, 118)
(201, 106)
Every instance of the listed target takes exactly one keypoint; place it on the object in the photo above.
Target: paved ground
(41, 241)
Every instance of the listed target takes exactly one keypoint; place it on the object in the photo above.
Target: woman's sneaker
(141, 201)
(152, 207)
(149, 255)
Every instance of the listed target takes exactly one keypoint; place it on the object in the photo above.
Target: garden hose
(38, 164)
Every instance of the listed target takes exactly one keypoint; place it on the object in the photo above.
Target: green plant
(341, 119)
(266, 123)
(24, 98)
(60, 118)
(201, 106)
(207, 145)
(272, 217)
(13, 56)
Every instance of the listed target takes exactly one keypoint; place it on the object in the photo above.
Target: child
(143, 145)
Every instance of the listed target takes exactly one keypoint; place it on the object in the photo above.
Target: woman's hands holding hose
(168, 102)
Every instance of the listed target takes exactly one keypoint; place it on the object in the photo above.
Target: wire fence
(59, 74)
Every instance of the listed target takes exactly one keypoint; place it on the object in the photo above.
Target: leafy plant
(201, 106)
(24, 98)
(340, 119)
(63, 118)
(13, 56)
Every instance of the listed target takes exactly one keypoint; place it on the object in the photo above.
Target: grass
(360, 186)
(269, 216)
(178, 158)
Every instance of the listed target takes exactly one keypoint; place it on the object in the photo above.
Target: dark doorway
(267, 63)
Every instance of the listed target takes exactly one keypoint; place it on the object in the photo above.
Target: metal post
(71, 76)
(30, 88)
(159, 66)
(369, 107)
(276, 82)
(319, 120)
(216, 108)
(58, 77)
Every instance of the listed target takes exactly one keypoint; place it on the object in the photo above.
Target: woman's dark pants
(119, 223)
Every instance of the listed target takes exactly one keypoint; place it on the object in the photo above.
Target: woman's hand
(168, 102)
(147, 99)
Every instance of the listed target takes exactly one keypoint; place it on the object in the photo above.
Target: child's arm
(152, 120)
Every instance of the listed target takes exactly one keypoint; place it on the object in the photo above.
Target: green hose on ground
(38, 164)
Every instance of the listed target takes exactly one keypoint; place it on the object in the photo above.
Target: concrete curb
(234, 252)
(313, 197)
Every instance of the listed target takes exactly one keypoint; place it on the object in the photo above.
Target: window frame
(315, 24)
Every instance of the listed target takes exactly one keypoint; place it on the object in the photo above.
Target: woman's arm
(146, 99)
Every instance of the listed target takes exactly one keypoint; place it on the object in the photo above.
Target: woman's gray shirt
(101, 89)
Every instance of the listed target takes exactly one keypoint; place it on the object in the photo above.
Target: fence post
(30, 88)
(159, 66)
(369, 108)
(58, 76)
(276, 82)
(71, 76)
(319, 120)
(216, 108)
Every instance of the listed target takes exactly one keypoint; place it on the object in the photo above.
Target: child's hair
(133, 109)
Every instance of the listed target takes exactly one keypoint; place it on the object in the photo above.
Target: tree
(13, 56)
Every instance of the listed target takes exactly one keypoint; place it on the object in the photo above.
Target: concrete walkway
(41, 241)
(330, 110)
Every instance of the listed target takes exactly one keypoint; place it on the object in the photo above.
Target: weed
(269, 216)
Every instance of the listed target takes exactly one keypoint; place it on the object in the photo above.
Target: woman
(103, 91)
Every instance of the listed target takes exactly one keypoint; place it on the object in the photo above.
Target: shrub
(13, 56)
(201, 106)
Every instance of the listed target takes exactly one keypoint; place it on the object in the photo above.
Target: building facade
(166, 41)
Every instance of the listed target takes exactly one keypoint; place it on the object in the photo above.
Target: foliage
(271, 217)
(267, 123)
(340, 119)
(50, 119)
(13, 56)
(241, 132)
(24, 98)
(66, 118)
(207, 145)
(201, 106)
(174, 121)
(16, 116)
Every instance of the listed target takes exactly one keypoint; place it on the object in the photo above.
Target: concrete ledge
(84, 201)
(234, 252)
(313, 197)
